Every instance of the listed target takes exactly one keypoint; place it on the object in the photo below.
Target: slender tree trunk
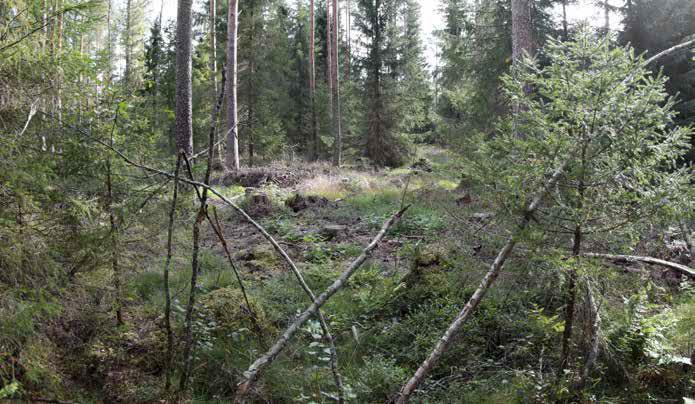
(570, 303)
(565, 32)
(565, 359)
(312, 83)
(128, 46)
(251, 126)
(167, 291)
(184, 84)
(59, 77)
(52, 28)
(44, 23)
(213, 65)
(113, 235)
(156, 79)
(329, 52)
(81, 81)
(188, 322)
(109, 43)
(335, 87)
(348, 38)
(232, 157)
(195, 264)
(606, 16)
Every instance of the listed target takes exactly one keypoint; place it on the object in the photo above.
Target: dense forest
(294, 201)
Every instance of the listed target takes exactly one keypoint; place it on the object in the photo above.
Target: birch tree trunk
(184, 85)
(232, 157)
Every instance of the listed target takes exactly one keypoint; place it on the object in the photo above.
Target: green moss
(227, 307)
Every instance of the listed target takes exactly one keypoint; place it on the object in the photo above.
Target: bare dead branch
(673, 49)
(682, 269)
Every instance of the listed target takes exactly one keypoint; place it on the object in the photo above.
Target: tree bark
(251, 85)
(128, 46)
(232, 158)
(348, 38)
(184, 84)
(329, 52)
(213, 64)
(315, 140)
(565, 31)
(447, 339)
(335, 87)
(253, 372)
(522, 37)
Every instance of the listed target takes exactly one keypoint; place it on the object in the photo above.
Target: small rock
(482, 216)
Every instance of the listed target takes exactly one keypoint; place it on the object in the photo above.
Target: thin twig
(167, 291)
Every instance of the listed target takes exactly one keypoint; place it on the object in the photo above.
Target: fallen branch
(660, 55)
(684, 270)
(666, 52)
(264, 233)
(254, 371)
(454, 328)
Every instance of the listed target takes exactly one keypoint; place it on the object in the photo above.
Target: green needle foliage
(599, 108)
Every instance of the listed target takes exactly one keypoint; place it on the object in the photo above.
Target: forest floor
(385, 321)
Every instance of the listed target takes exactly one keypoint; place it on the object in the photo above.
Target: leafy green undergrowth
(386, 321)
